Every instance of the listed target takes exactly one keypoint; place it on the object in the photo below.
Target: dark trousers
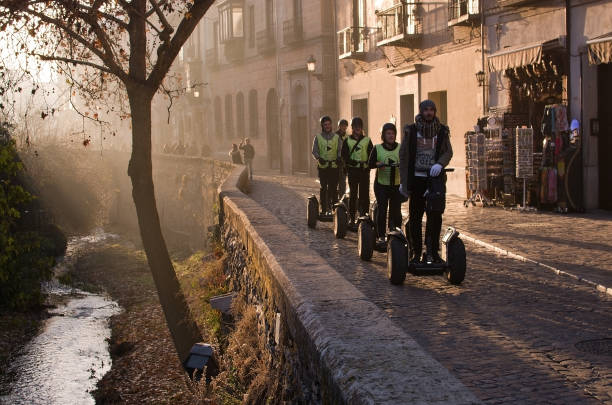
(328, 177)
(359, 183)
(388, 197)
(433, 227)
(342, 182)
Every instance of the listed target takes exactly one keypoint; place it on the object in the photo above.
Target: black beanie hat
(427, 103)
(385, 127)
(356, 121)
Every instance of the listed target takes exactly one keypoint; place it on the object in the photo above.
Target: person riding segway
(425, 151)
(341, 132)
(326, 150)
(385, 158)
(355, 153)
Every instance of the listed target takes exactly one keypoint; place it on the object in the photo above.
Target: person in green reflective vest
(385, 158)
(341, 131)
(326, 151)
(355, 153)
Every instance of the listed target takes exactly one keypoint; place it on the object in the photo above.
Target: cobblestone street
(509, 332)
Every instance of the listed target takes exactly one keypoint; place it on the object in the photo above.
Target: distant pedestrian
(249, 154)
(235, 155)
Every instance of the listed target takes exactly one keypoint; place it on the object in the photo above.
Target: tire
(365, 240)
(312, 212)
(397, 261)
(456, 259)
(374, 217)
(340, 222)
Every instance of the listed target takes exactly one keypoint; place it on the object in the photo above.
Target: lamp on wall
(480, 77)
(311, 64)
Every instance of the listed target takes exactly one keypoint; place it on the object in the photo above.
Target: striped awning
(512, 58)
(600, 50)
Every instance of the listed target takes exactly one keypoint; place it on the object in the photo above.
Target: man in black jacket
(425, 152)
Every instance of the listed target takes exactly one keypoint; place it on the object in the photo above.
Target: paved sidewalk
(578, 244)
(508, 332)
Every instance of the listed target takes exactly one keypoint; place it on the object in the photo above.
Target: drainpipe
(568, 43)
(482, 46)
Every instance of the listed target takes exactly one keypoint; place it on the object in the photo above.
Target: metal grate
(596, 346)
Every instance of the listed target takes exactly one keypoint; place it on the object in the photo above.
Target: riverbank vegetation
(28, 247)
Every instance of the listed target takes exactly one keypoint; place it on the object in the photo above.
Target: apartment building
(252, 58)
(394, 54)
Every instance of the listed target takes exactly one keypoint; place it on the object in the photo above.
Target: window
(251, 26)
(269, 14)
(406, 110)
(229, 114)
(240, 115)
(439, 97)
(231, 20)
(253, 114)
(218, 118)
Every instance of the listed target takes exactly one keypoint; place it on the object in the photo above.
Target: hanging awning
(512, 58)
(600, 50)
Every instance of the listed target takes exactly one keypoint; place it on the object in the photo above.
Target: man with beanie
(424, 153)
(355, 154)
(341, 132)
(326, 149)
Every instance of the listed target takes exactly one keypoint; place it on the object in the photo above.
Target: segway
(341, 217)
(453, 267)
(313, 215)
(367, 231)
(312, 211)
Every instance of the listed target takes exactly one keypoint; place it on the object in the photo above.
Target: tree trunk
(178, 317)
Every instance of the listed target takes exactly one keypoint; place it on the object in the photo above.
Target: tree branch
(73, 61)
(167, 54)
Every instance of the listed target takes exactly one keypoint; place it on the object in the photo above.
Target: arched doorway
(299, 134)
(273, 129)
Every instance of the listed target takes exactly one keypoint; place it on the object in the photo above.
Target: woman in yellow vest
(385, 158)
(326, 151)
(355, 152)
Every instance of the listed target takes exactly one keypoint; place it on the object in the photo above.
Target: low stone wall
(336, 346)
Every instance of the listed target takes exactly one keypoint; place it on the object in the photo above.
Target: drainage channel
(65, 361)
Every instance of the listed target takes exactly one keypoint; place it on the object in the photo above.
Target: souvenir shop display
(556, 155)
(524, 158)
(476, 169)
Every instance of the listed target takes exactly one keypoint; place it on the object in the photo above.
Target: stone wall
(336, 345)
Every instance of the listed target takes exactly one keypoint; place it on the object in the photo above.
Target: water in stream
(65, 361)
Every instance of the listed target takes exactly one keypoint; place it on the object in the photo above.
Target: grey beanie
(427, 103)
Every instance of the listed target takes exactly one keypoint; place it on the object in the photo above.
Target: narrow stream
(65, 361)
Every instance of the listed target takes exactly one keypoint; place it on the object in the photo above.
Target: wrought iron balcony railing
(463, 11)
(266, 42)
(293, 31)
(353, 42)
(399, 24)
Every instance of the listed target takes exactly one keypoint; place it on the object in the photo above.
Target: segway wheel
(340, 222)
(365, 240)
(397, 261)
(455, 257)
(312, 212)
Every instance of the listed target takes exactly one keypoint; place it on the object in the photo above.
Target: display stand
(477, 181)
(524, 161)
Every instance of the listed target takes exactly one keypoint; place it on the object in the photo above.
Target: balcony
(515, 3)
(399, 25)
(353, 43)
(463, 12)
(293, 31)
(212, 58)
(266, 42)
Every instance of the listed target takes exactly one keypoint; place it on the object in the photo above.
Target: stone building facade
(251, 56)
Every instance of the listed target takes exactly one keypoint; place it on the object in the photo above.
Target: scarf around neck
(427, 129)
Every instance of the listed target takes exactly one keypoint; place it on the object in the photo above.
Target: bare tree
(126, 48)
